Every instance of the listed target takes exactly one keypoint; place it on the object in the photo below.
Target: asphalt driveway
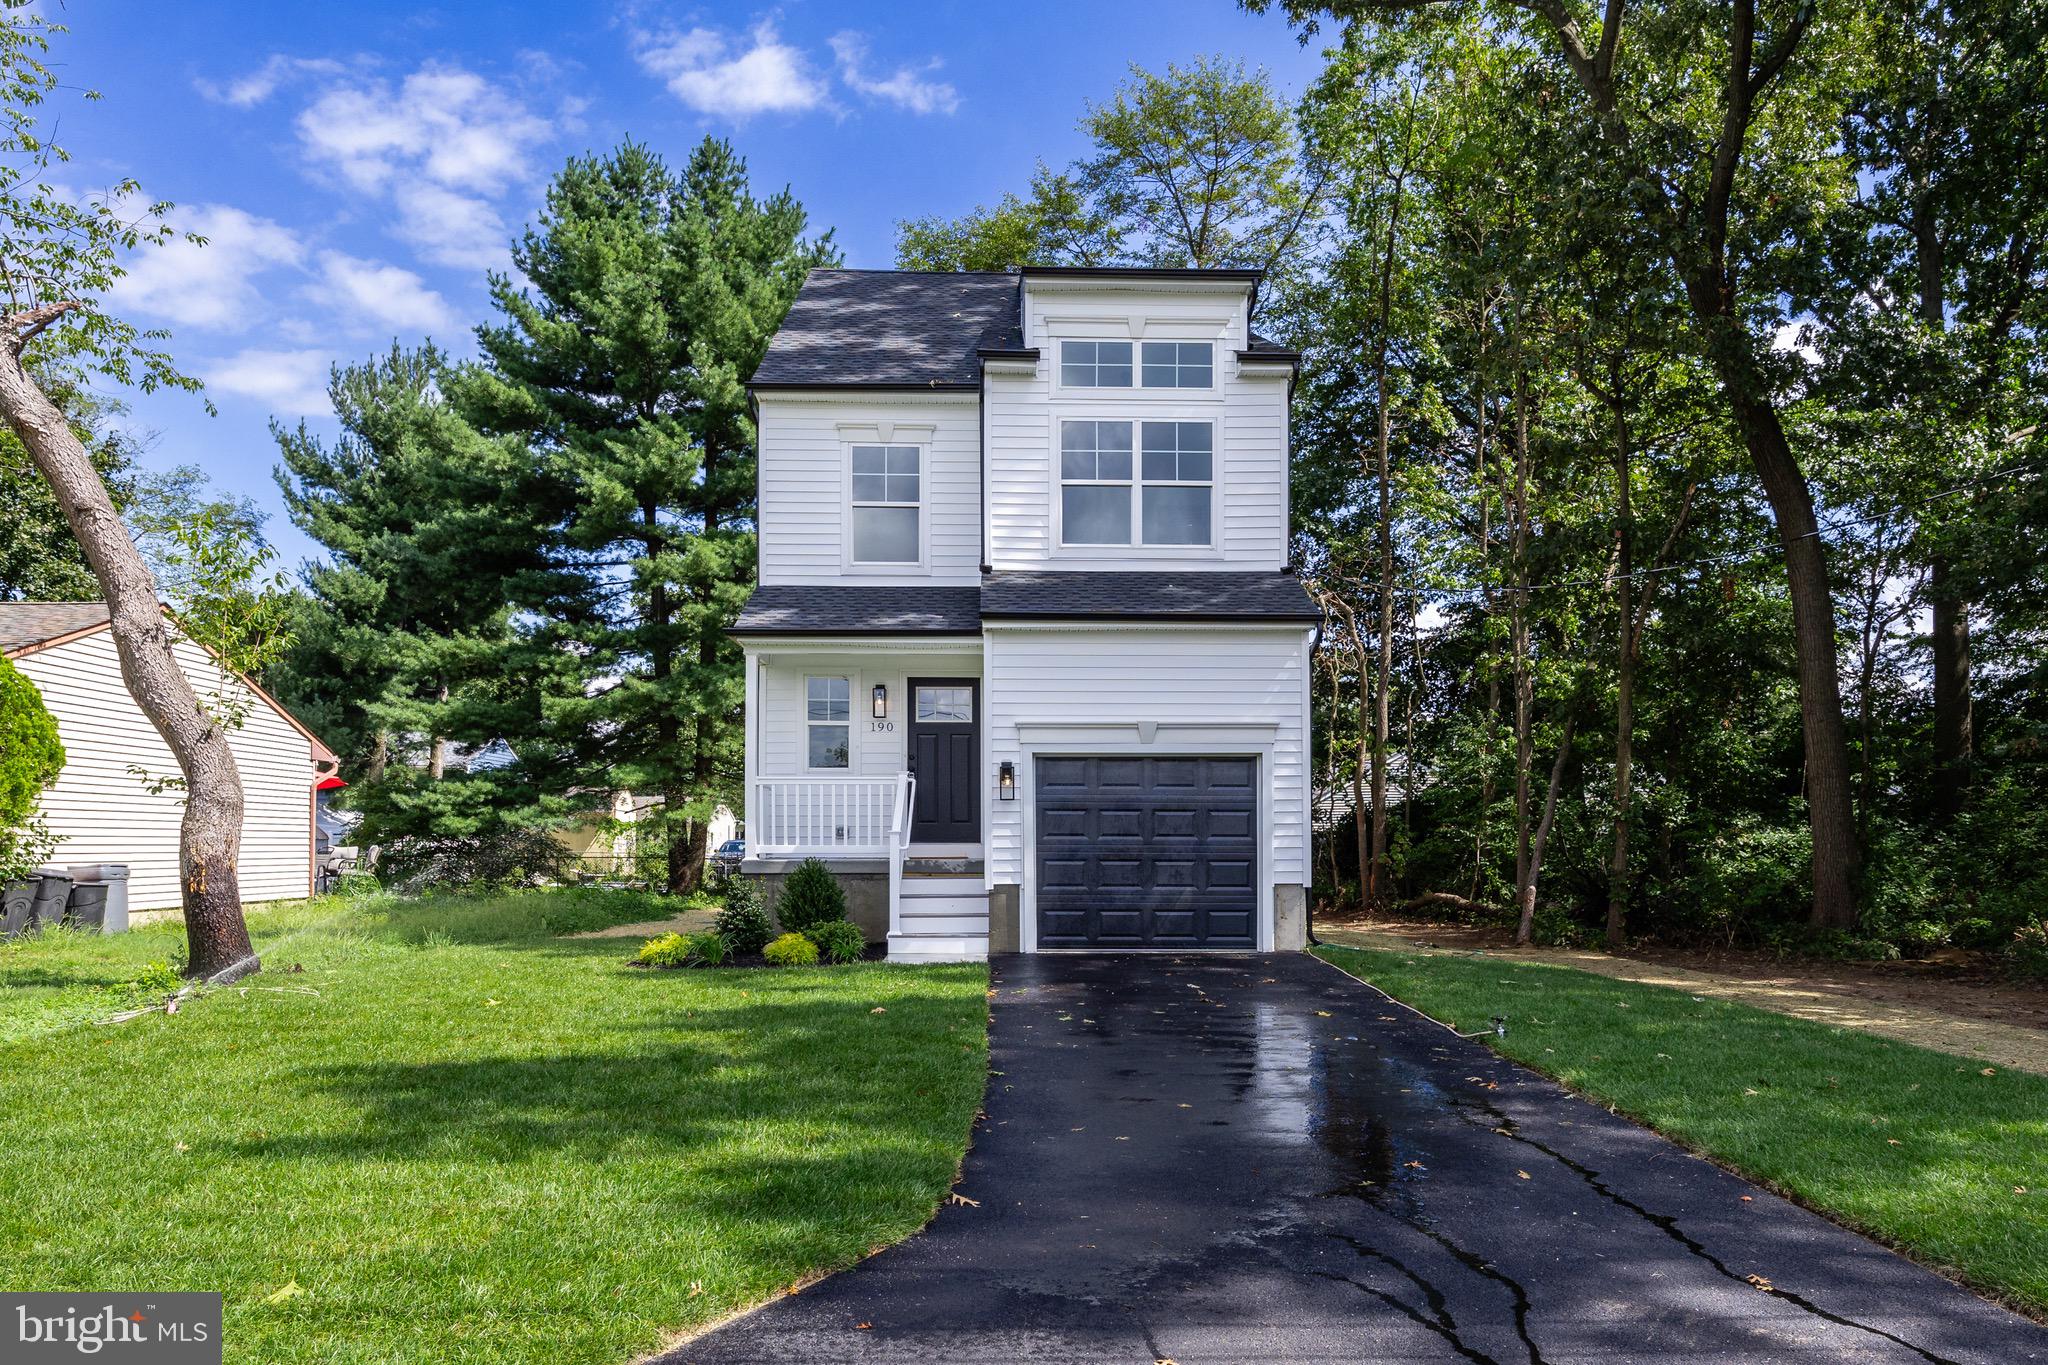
(1254, 1158)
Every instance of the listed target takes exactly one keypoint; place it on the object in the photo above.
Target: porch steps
(942, 919)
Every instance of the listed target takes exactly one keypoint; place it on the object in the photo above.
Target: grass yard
(1920, 1149)
(457, 1136)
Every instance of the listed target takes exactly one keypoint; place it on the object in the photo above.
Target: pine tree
(647, 299)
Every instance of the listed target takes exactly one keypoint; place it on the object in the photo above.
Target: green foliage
(2027, 954)
(811, 896)
(838, 940)
(31, 756)
(743, 920)
(791, 950)
(668, 950)
(1554, 927)
(497, 853)
(356, 885)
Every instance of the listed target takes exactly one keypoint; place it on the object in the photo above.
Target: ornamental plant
(838, 941)
(812, 896)
(791, 950)
(742, 919)
(31, 756)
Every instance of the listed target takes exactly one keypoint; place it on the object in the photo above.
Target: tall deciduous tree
(57, 257)
(647, 297)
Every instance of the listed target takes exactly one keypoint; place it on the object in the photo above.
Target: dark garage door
(1147, 852)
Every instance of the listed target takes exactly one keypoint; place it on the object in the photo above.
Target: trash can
(16, 899)
(53, 890)
(112, 879)
(87, 907)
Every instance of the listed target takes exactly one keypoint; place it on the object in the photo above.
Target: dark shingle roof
(919, 609)
(31, 623)
(1166, 596)
(891, 327)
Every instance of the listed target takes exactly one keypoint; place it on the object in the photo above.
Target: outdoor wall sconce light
(881, 701)
(1006, 781)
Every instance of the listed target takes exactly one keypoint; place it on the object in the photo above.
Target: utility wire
(1774, 546)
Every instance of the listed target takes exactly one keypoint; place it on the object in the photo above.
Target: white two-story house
(1025, 664)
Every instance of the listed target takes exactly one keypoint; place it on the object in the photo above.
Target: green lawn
(455, 1136)
(1921, 1149)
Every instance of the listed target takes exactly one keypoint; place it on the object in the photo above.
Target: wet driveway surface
(1255, 1158)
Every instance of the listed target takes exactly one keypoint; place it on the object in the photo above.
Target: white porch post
(750, 731)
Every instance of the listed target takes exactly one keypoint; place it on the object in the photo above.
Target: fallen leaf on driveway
(1415, 1165)
(1324, 1014)
(1523, 1174)
(958, 1198)
(1747, 1199)
(863, 1327)
(1761, 1283)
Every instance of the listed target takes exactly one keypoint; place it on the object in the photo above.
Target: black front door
(945, 754)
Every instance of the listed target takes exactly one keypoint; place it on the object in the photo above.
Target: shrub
(792, 950)
(1554, 927)
(669, 950)
(812, 896)
(30, 759)
(709, 948)
(495, 857)
(2027, 954)
(839, 941)
(351, 885)
(742, 919)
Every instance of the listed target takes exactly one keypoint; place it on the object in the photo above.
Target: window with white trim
(1167, 498)
(828, 723)
(1095, 483)
(1177, 365)
(887, 488)
(1177, 482)
(1095, 364)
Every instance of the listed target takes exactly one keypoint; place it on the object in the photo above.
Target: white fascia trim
(1150, 627)
(798, 646)
(872, 398)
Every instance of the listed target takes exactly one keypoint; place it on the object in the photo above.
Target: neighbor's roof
(1155, 595)
(24, 625)
(795, 609)
(890, 328)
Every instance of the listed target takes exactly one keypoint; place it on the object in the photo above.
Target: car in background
(726, 858)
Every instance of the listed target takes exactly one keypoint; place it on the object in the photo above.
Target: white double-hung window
(1095, 364)
(1177, 365)
(887, 495)
(828, 722)
(1166, 497)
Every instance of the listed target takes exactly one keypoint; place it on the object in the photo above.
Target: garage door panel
(1147, 852)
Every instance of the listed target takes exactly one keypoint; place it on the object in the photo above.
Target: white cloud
(387, 295)
(246, 92)
(211, 286)
(289, 383)
(715, 73)
(444, 123)
(906, 88)
(448, 228)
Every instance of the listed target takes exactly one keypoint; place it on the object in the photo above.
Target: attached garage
(1144, 852)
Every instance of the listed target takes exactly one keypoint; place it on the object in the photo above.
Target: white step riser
(944, 886)
(938, 948)
(944, 924)
(945, 905)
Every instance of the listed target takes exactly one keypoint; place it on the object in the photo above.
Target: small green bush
(742, 919)
(792, 950)
(1554, 927)
(2027, 954)
(669, 950)
(30, 759)
(709, 948)
(812, 896)
(839, 941)
(351, 885)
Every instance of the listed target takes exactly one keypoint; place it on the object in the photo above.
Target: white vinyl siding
(806, 486)
(879, 747)
(101, 811)
(1137, 675)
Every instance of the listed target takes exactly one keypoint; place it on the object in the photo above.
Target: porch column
(750, 731)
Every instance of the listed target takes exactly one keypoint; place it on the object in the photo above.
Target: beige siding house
(101, 808)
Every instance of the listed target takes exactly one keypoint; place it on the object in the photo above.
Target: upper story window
(887, 488)
(1166, 499)
(828, 722)
(1095, 364)
(1178, 365)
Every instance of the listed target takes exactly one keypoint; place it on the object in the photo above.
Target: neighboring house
(1023, 549)
(101, 808)
(604, 844)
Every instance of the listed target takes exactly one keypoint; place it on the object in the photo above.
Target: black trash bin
(53, 891)
(87, 908)
(16, 899)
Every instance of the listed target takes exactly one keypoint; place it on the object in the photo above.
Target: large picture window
(828, 722)
(1177, 365)
(1166, 498)
(1095, 364)
(887, 488)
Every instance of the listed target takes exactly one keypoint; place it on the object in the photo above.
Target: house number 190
(877, 727)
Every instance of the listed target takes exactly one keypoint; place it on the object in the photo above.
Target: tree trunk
(437, 752)
(1624, 682)
(1526, 925)
(1953, 726)
(1376, 889)
(210, 836)
(1518, 630)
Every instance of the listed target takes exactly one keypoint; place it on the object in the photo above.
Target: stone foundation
(1290, 917)
(1005, 919)
(867, 891)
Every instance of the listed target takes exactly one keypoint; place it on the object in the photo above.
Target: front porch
(866, 754)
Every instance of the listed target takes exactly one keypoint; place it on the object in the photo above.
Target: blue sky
(359, 167)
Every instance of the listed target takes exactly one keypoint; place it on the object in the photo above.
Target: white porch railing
(848, 816)
(899, 845)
